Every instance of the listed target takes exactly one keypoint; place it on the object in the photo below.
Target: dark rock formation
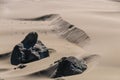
(66, 66)
(69, 66)
(30, 49)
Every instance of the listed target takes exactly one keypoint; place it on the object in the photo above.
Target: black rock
(29, 50)
(69, 66)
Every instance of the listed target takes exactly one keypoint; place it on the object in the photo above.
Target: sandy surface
(98, 18)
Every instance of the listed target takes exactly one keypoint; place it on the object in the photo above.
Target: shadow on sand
(5, 55)
(115, 0)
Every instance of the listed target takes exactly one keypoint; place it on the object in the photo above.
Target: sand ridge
(98, 18)
(50, 34)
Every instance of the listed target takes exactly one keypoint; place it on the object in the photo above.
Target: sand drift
(63, 28)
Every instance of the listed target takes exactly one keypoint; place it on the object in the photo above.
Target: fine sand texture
(72, 27)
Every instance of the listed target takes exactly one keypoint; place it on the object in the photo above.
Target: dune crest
(63, 28)
(47, 17)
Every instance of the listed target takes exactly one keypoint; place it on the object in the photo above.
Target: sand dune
(97, 18)
(50, 33)
(63, 28)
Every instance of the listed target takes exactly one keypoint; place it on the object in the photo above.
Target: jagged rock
(30, 49)
(69, 66)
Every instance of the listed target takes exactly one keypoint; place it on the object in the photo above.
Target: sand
(99, 19)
